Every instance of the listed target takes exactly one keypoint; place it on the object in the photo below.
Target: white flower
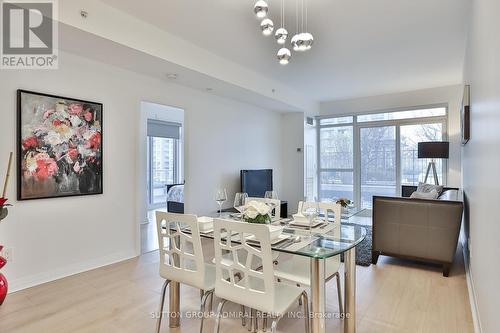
(255, 208)
(251, 213)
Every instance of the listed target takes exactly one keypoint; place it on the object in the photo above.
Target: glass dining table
(318, 244)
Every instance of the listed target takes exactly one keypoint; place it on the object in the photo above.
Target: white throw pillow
(433, 194)
(426, 188)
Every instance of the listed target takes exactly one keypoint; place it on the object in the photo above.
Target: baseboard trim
(472, 292)
(44, 277)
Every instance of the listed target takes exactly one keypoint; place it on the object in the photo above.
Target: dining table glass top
(323, 241)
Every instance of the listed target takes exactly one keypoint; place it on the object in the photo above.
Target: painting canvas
(465, 115)
(59, 146)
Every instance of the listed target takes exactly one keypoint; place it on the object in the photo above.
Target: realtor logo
(29, 34)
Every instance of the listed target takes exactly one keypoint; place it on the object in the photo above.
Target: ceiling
(362, 47)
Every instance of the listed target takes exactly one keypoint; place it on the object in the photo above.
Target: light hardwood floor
(393, 296)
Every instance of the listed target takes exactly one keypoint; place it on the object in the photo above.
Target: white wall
(451, 95)
(56, 237)
(293, 161)
(481, 160)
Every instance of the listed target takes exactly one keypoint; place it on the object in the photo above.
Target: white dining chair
(276, 214)
(256, 289)
(296, 269)
(181, 257)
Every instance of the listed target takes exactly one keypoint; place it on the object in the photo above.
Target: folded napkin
(299, 218)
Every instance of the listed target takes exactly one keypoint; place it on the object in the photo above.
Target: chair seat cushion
(284, 296)
(296, 269)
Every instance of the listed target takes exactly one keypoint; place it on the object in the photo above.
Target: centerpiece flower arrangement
(257, 212)
(3, 208)
(344, 202)
(3, 214)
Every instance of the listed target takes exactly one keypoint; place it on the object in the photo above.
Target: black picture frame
(465, 115)
(98, 109)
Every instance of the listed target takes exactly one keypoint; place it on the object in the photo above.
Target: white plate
(305, 223)
(277, 240)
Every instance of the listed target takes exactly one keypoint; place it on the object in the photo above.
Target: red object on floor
(3, 281)
(3, 288)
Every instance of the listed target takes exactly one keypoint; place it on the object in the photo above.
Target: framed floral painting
(59, 146)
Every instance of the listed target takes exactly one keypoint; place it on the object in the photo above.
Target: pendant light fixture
(301, 41)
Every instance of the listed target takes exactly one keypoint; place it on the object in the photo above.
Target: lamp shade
(433, 149)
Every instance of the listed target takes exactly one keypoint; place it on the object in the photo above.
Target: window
(336, 162)
(378, 163)
(409, 114)
(374, 154)
(412, 168)
(163, 160)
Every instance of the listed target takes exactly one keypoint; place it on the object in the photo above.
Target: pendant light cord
(297, 15)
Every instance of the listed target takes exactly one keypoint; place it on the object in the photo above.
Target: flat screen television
(256, 182)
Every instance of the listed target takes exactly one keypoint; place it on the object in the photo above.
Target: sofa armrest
(415, 228)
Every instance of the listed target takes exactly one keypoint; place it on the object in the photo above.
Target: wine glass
(311, 212)
(221, 197)
(239, 202)
(271, 195)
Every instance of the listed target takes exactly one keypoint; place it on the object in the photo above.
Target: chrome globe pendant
(267, 27)
(260, 9)
(281, 35)
(284, 56)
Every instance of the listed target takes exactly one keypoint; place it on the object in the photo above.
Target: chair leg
(274, 325)
(375, 255)
(306, 311)
(264, 322)
(300, 298)
(219, 313)
(339, 294)
(243, 316)
(446, 270)
(203, 305)
(255, 322)
(162, 302)
(250, 324)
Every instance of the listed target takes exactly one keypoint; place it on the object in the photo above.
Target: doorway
(164, 165)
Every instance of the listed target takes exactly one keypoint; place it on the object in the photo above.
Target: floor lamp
(433, 150)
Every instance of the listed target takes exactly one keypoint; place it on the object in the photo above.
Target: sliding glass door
(374, 154)
(336, 178)
(412, 168)
(378, 163)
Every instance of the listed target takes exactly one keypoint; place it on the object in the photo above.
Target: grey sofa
(425, 230)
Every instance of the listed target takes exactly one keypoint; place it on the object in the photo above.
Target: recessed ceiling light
(171, 76)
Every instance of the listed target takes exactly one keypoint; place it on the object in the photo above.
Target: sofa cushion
(425, 195)
(426, 188)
